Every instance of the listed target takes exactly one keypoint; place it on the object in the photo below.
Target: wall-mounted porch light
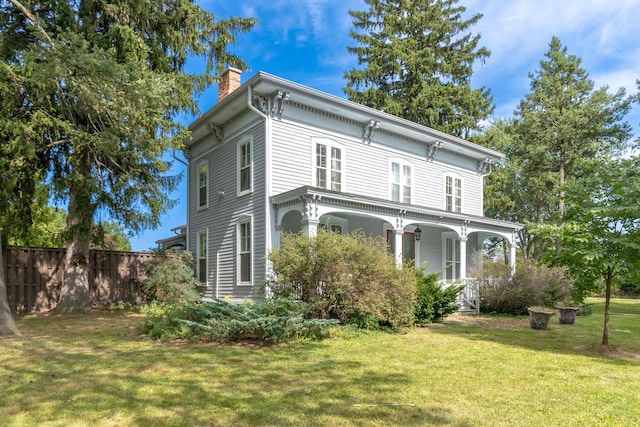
(418, 234)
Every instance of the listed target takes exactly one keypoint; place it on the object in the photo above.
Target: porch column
(310, 227)
(398, 246)
(463, 258)
(512, 258)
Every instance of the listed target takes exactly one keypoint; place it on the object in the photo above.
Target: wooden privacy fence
(34, 277)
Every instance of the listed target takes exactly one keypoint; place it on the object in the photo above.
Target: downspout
(267, 176)
(482, 175)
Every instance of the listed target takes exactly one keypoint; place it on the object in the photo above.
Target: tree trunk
(561, 180)
(75, 295)
(7, 324)
(607, 300)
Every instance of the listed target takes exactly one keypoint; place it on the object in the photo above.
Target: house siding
(366, 166)
(221, 217)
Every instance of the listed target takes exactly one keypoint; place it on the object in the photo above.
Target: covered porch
(444, 242)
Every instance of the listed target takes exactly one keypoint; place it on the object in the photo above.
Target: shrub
(630, 288)
(171, 278)
(434, 301)
(351, 278)
(271, 321)
(530, 286)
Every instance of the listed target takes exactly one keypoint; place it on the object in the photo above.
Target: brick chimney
(229, 81)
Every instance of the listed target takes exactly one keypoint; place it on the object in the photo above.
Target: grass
(96, 370)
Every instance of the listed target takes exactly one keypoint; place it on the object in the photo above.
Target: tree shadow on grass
(103, 374)
(560, 339)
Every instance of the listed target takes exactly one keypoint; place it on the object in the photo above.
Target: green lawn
(95, 370)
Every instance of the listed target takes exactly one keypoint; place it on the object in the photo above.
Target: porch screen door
(451, 258)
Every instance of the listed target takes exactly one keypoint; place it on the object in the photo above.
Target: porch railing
(469, 299)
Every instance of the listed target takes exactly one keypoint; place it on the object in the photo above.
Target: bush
(350, 278)
(171, 278)
(271, 321)
(434, 301)
(530, 286)
(630, 288)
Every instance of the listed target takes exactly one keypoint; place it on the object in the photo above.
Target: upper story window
(203, 184)
(400, 181)
(244, 167)
(328, 167)
(453, 193)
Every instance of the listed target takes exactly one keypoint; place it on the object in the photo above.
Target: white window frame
(456, 196)
(201, 255)
(330, 145)
(203, 164)
(245, 220)
(401, 182)
(454, 263)
(240, 167)
(335, 224)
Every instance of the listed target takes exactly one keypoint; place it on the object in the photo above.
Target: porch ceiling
(372, 205)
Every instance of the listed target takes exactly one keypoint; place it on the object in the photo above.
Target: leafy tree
(600, 232)
(100, 85)
(110, 236)
(418, 58)
(558, 126)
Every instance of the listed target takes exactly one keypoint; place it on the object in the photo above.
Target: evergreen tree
(559, 128)
(100, 86)
(564, 122)
(512, 195)
(418, 58)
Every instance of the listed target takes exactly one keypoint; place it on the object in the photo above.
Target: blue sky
(305, 41)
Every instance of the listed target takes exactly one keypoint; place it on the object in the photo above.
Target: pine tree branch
(32, 17)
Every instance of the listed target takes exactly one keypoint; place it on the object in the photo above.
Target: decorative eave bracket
(433, 149)
(484, 166)
(273, 105)
(367, 130)
(216, 130)
(278, 99)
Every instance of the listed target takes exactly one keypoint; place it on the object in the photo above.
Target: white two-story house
(274, 156)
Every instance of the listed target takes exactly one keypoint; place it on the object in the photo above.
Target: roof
(265, 84)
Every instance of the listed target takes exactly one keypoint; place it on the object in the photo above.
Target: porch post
(310, 227)
(463, 258)
(398, 244)
(512, 258)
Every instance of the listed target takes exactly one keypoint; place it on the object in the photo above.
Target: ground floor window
(202, 256)
(244, 250)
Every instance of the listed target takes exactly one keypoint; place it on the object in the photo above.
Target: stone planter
(567, 315)
(539, 317)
